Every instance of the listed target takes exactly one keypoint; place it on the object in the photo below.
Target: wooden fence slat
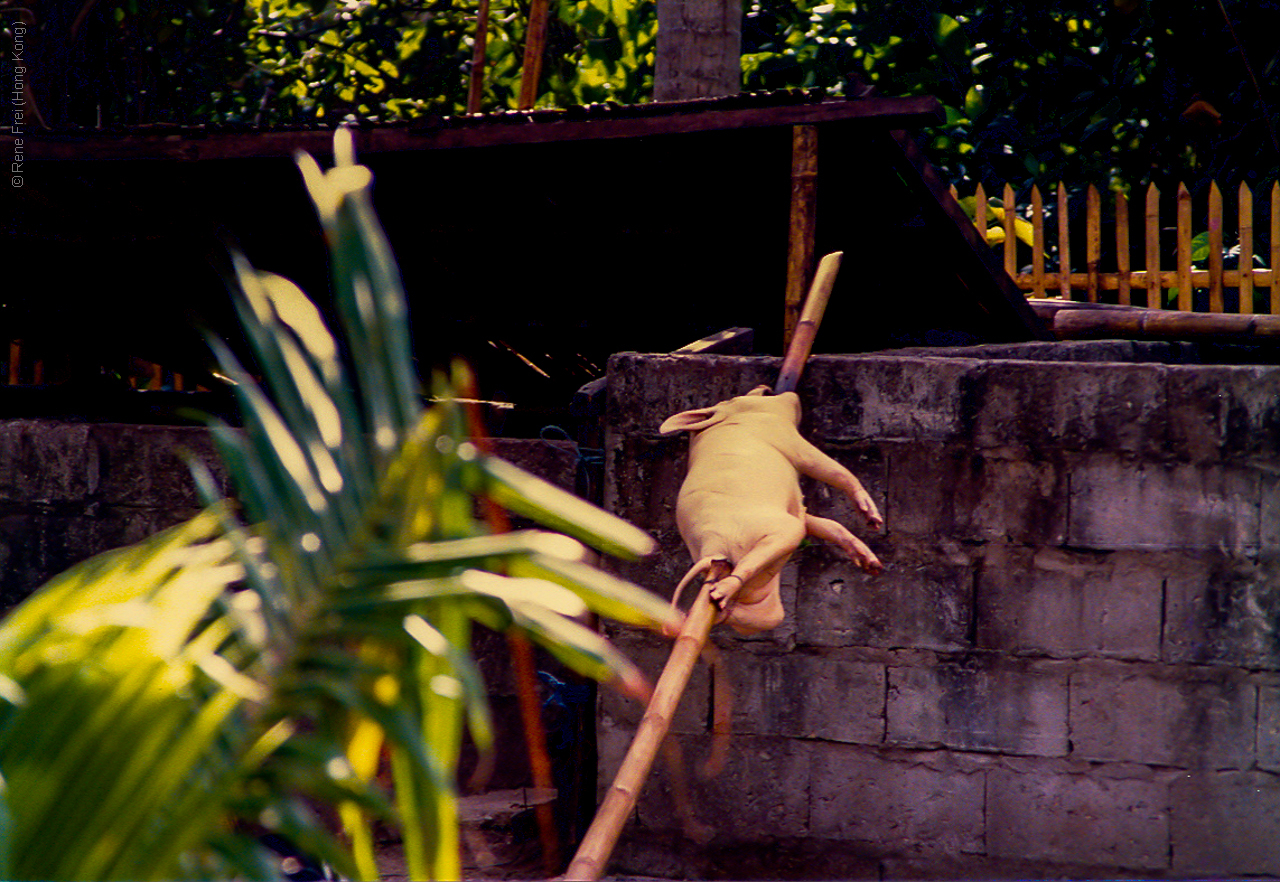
(1037, 235)
(1064, 243)
(1092, 240)
(1275, 248)
(1245, 203)
(1090, 282)
(1184, 248)
(980, 210)
(1010, 233)
(1215, 249)
(1122, 250)
(1151, 268)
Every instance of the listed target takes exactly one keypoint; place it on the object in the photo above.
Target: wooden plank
(1077, 322)
(1245, 206)
(1037, 237)
(1064, 243)
(1184, 248)
(1275, 248)
(1215, 248)
(1122, 250)
(492, 130)
(1010, 232)
(1151, 249)
(1093, 241)
(803, 222)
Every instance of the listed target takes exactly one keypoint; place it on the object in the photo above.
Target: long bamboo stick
(807, 328)
(593, 854)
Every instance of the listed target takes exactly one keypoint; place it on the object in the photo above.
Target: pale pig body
(741, 501)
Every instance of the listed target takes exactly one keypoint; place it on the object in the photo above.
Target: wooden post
(534, 46)
(804, 209)
(475, 88)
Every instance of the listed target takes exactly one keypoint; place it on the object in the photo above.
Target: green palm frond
(164, 705)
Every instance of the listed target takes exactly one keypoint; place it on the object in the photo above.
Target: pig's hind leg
(838, 535)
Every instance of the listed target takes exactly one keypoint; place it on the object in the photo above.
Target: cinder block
(802, 695)
(758, 796)
(1070, 604)
(1269, 725)
(896, 806)
(1220, 412)
(924, 598)
(1188, 718)
(1077, 819)
(45, 461)
(1036, 406)
(972, 496)
(643, 390)
(1117, 504)
(983, 703)
(886, 398)
(1226, 824)
(1222, 608)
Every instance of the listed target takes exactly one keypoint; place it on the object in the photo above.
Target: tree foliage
(1104, 91)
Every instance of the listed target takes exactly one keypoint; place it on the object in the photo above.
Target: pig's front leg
(817, 465)
(778, 537)
(836, 533)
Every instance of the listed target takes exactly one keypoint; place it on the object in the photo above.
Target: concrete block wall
(1069, 668)
(69, 490)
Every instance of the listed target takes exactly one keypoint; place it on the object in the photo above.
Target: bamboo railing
(1201, 285)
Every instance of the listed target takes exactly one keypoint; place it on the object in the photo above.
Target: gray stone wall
(69, 490)
(1070, 666)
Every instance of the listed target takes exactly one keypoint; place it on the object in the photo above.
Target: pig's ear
(692, 420)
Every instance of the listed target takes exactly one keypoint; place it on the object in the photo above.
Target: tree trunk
(699, 49)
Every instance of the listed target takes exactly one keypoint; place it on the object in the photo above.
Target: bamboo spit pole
(593, 854)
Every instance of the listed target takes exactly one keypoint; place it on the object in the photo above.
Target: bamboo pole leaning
(597, 846)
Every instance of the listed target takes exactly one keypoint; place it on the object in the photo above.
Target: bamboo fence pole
(1064, 243)
(1151, 274)
(1123, 268)
(1093, 241)
(1245, 205)
(980, 210)
(1184, 248)
(593, 854)
(1215, 249)
(1037, 237)
(1275, 248)
(1010, 233)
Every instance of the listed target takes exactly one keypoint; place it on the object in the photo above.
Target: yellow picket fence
(1198, 279)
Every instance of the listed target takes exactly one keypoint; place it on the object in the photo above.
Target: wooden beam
(538, 127)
